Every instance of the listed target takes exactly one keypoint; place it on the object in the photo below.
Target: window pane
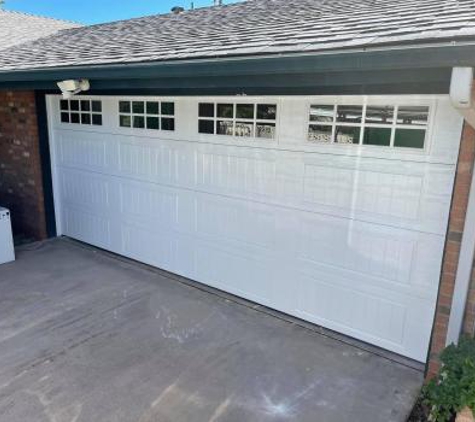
(226, 111)
(266, 111)
(245, 111)
(74, 117)
(377, 136)
(265, 130)
(322, 113)
(74, 105)
(244, 129)
(168, 124)
(64, 104)
(97, 119)
(138, 107)
(124, 107)
(125, 121)
(86, 119)
(416, 116)
(409, 138)
(65, 117)
(168, 109)
(349, 114)
(383, 115)
(97, 106)
(224, 127)
(139, 122)
(152, 123)
(152, 107)
(318, 133)
(206, 126)
(347, 135)
(206, 110)
(85, 105)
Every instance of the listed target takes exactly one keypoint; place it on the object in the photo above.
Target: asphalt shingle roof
(254, 27)
(17, 28)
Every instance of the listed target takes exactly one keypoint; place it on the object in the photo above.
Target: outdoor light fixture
(72, 87)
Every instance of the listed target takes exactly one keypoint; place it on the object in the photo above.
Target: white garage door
(332, 209)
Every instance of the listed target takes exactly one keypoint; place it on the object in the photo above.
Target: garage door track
(86, 337)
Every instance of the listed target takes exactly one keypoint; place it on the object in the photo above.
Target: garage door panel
(389, 319)
(409, 195)
(387, 254)
(169, 163)
(387, 194)
(88, 227)
(85, 189)
(352, 310)
(84, 150)
(153, 247)
(402, 194)
(236, 172)
(237, 221)
(151, 204)
(238, 273)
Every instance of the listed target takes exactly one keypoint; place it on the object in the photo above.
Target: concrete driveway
(88, 337)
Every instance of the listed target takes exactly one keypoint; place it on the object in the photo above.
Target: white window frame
(80, 112)
(145, 115)
(254, 121)
(335, 104)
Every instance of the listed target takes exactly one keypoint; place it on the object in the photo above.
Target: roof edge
(409, 57)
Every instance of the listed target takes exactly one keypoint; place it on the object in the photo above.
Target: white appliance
(7, 253)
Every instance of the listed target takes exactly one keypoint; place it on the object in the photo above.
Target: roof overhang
(424, 68)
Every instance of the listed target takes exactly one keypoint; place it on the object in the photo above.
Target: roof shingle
(17, 28)
(253, 27)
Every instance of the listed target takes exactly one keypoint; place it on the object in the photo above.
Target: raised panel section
(241, 274)
(87, 227)
(375, 192)
(234, 174)
(381, 254)
(84, 189)
(78, 149)
(365, 315)
(248, 224)
(149, 246)
(162, 161)
(149, 203)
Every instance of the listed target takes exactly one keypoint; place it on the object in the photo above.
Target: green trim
(43, 135)
(364, 60)
(418, 81)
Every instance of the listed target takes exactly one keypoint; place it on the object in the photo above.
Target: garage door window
(84, 112)
(153, 115)
(383, 126)
(240, 120)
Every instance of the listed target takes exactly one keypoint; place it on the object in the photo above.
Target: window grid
(84, 112)
(151, 115)
(394, 126)
(264, 123)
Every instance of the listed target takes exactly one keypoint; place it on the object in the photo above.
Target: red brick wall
(21, 187)
(452, 250)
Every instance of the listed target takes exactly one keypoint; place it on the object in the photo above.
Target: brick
(20, 165)
(465, 167)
